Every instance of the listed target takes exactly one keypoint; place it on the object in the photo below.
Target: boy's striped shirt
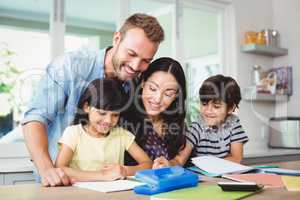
(215, 141)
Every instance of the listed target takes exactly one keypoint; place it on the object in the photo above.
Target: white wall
(282, 15)
(286, 21)
(253, 15)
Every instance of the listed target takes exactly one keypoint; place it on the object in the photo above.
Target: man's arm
(37, 143)
(47, 101)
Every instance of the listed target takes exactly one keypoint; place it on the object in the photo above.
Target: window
(201, 49)
(197, 70)
(31, 56)
(194, 36)
(164, 12)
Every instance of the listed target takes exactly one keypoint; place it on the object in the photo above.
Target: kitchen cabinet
(16, 178)
(15, 165)
(1, 179)
(16, 171)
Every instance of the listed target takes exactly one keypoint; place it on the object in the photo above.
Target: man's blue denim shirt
(55, 100)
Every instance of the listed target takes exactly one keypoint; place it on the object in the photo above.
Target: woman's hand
(160, 162)
(113, 172)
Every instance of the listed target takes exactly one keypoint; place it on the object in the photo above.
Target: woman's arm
(180, 158)
(236, 152)
(144, 162)
(64, 158)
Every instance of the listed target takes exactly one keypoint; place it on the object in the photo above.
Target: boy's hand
(160, 162)
(114, 172)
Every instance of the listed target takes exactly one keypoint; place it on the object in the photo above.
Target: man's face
(132, 53)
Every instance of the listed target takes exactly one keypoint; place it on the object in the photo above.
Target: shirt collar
(207, 128)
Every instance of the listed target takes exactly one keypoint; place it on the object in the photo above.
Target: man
(53, 105)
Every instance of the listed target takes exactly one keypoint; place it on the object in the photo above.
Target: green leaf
(5, 88)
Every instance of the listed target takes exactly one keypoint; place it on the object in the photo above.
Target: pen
(266, 166)
(131, 178)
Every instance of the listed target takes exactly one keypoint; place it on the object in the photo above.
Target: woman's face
(159, 91)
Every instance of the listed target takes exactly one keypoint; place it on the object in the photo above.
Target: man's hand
(160, 162)
(35, 135)
(54, 177)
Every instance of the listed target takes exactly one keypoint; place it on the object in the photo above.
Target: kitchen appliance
(284, 132)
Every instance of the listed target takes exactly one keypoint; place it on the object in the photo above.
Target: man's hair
(220, 88)
(147, 23)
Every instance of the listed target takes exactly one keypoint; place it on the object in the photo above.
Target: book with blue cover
(282, 171)
(214, 167)
(165, 179)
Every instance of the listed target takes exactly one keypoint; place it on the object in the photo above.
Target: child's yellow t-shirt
(91, 153)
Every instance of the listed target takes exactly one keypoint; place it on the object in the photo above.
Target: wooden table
(36, 192)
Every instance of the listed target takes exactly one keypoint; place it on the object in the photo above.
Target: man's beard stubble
(116, 63)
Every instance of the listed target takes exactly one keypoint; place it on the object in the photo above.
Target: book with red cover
(268, 180)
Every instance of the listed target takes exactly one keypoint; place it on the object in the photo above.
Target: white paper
(219, 166)
(109, 186)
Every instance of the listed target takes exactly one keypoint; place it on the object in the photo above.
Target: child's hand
(113, 172)
(54, 177)
(160, 162)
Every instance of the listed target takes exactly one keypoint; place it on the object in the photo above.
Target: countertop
(271, 152)
(35, 191)
(16, 165)
(15, 158)
(270, 155)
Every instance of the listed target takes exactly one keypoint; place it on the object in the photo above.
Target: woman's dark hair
(220, 88)
(105, 94)
(173, 116)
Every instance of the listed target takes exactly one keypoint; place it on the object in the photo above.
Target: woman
(158, 112)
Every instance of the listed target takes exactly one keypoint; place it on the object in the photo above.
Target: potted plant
(8, 76)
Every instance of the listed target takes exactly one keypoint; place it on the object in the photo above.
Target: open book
(213, 166)
(109, 186)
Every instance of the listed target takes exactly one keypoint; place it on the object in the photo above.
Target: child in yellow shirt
(93, 148)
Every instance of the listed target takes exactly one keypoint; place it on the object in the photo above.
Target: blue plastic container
(164, 180)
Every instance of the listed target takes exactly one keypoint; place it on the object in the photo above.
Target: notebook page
(219, 166)
(109, 186)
